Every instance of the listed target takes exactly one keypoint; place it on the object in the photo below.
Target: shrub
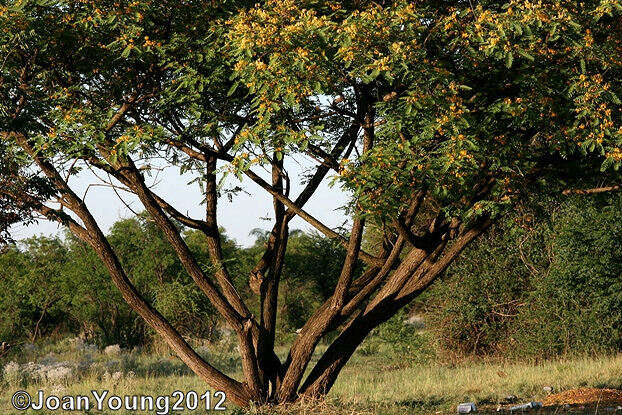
(576, 305)
(544, 283)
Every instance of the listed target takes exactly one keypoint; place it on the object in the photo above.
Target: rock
(415, 321)
(527, 406)
(466, 408)
(113, 350)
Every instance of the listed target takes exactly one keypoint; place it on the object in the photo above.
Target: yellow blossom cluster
(615, 154)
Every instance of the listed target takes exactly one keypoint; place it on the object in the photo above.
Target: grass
(440, 387)
(376, 381)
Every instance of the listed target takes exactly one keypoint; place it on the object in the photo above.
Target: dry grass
(586, 396)
(370, 384)
(439, 387)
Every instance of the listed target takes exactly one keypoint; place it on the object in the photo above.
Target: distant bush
(576, 304)
(59, 286)
(52, 285)
(33, 302)
(546, 282)
(403, 339)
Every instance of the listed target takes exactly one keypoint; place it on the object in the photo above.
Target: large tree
(435, 116)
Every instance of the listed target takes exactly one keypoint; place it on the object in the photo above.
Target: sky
(238, 217)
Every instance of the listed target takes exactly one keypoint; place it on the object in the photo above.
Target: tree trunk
(327, 369)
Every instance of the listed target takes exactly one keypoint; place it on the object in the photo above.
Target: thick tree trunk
(327, 369)
(269, 288)
(303, 347)
(389, 302)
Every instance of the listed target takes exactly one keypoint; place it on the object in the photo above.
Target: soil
(585, 396)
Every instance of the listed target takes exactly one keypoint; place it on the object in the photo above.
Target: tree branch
(92, 234)
(592, 191)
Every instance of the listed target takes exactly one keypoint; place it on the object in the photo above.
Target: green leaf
(126, 52)
(592, 146)
(526, 55)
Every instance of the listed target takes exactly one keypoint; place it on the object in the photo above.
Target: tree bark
(304, 346)
(92, 234)
(241, 323)
(327, 369)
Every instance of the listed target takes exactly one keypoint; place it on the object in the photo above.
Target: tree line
(58, 286)
(544, 283)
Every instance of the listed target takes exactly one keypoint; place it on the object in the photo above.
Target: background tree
(437, 117)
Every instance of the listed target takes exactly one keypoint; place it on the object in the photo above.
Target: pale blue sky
(238, 217)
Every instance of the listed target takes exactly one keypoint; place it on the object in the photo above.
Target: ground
(602, 397)
(374, 382)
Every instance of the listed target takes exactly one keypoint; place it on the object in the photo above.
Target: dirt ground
(585, 396)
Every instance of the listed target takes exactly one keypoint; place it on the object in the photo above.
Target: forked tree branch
(228, 302)
(325, 372)
(303, 347)
(349, 136)
(292, 207)
(92, 234)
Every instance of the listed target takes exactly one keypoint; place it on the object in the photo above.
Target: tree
(15, 181)
(436, 116)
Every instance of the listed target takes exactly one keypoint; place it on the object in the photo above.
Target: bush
(396, 337)
(576, 305)
(53, 285)
(33, 302)
(544, 283)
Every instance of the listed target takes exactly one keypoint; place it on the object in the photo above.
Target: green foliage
(81, 293)
(480, 294)
(65, 285)
(545, 283)
(312, 267)
(96, 305)
(576, 304)
(461, 92)
(315, 259)
(402, 339)
(34, 301)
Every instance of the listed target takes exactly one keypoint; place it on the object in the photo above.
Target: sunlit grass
(373, 382)
(436, 386)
